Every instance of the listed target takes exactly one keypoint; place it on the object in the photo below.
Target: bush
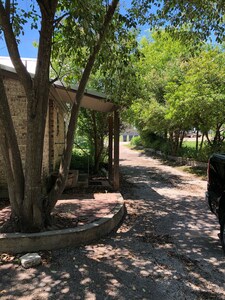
(81, 160)
(188, 152)
(136, 141)
(208, 150)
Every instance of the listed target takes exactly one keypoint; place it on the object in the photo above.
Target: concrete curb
(56, 239)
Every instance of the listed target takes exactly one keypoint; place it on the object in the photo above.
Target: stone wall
(54, 131)
(18, 103)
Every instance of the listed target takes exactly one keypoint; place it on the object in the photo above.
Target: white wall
(30, 63)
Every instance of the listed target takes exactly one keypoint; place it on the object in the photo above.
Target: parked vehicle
(215, 194)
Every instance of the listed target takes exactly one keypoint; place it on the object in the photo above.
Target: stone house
(60, 99)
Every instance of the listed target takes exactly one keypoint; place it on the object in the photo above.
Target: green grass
(189, 144)
(198, 171)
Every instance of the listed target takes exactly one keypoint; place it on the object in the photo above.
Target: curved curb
(56, 239)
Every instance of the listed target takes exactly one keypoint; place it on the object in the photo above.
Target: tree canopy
(202, 18)
(181, 89)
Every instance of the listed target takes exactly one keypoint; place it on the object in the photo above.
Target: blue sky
(26, 48)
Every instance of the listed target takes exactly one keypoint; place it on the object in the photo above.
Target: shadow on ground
(166, 248)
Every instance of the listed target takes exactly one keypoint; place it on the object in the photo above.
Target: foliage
(114, 56)
(162, 61)
(81, 160)
(192, 22)
(136, 141)
(202, 18)
(181, 90)
(200, 100)
(94, 126)
(113, 74)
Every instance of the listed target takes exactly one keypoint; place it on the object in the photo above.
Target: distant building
(128, 133)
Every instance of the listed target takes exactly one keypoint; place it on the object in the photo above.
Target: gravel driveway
(166, 248)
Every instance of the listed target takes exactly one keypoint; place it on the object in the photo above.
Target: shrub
(81, 160)
(136, 141)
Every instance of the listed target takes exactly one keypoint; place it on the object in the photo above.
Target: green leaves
(20, 14)
(201, 17)
(181, 89)
(200, 99)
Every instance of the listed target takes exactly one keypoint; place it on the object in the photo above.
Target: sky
(26, 47)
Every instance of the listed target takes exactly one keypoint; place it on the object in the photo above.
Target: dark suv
(215, 194)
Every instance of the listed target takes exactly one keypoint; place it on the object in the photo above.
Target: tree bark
(202, 140)
(196, 145)
(33, 207)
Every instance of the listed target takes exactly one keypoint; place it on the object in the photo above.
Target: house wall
(17, 103)
(54, 131)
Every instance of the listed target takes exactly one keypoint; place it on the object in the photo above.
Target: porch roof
(91, 99)
(63, 95)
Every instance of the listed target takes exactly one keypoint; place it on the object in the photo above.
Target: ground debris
(183, 258)
(153, 238)
(7, 258)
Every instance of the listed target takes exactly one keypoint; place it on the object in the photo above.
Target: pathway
(166, 248)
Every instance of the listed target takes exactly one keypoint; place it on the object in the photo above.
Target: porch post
(116, 175)
(110, 148)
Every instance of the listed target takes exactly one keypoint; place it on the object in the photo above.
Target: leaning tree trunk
(67, 153)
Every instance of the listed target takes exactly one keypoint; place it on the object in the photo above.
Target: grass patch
(189, 144)
(198, 171)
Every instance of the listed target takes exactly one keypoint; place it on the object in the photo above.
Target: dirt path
(167, 247)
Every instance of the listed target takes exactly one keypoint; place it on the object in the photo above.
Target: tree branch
(66, 157)
(12, 46)
(58, 20)
(7, 7)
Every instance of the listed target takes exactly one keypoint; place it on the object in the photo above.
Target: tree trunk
(196, 145)
(34, 218)
(202, 140)
(66, 157)
(98, 139)
(37, 90)
(208, 139)
(98, 155)
(181, 139)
